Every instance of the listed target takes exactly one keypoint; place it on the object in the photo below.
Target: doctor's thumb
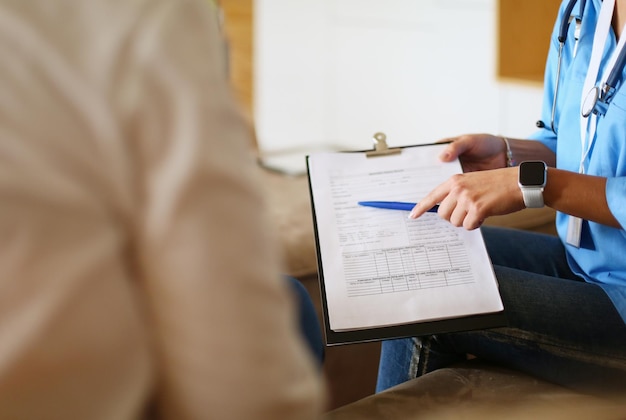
(451, 152)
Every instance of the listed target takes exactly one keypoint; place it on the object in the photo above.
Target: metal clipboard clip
(380, 147)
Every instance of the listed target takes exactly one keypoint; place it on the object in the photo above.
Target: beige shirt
(136, 268)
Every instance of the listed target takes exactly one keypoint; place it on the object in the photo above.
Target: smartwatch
(533, 175)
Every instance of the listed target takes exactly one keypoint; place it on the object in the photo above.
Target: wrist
(532, 179)
(508, 154)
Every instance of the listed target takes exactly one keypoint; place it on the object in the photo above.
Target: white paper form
(381, 268)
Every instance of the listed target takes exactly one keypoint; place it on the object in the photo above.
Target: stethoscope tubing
(556, 86)
(616, 71)
(562, 38)
(566, 21)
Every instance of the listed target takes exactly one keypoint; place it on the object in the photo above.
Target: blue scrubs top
(601, 257)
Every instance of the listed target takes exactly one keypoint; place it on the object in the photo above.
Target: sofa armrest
(478, 390)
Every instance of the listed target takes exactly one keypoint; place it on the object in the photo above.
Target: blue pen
(394, 205)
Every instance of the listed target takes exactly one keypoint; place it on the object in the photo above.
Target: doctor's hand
(477, 152)
(468, 199)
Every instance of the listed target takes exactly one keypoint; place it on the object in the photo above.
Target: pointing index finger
(422, 207)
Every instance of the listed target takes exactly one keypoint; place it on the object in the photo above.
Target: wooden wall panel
(524, 28)
(238, 21)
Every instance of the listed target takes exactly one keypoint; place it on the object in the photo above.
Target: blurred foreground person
(137, 274)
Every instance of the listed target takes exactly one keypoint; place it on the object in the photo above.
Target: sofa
(351, 370)
(476, 390)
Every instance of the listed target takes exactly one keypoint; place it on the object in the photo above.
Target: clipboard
(380, 147)
(419, 328)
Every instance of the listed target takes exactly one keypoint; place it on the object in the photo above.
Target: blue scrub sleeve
(545, 136)
(616, 198)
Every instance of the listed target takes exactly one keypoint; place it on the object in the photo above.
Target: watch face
(532, 174)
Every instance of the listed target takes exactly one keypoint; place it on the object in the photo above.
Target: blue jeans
(307, 320)
(560, 328)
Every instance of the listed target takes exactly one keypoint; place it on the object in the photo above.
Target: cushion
(290, 208)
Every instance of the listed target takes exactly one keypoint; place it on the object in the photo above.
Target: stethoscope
(599, 97)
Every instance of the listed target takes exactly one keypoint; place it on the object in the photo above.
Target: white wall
(337, 71)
